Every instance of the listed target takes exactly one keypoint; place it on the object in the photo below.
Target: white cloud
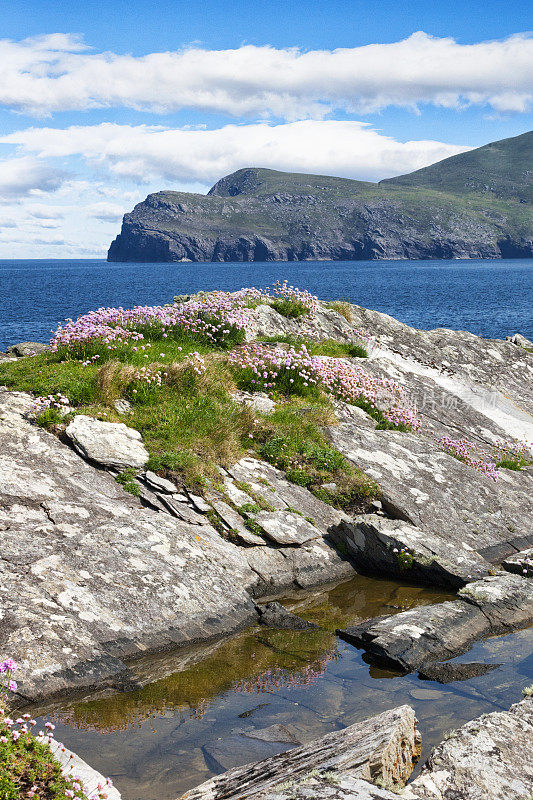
(148, 153)
(56, 73)
(22, 177)
(106, 212)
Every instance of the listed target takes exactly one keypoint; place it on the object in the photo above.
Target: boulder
(520, 340)
(27, 349)
(111, 444)
(489, 758)
(286, 527)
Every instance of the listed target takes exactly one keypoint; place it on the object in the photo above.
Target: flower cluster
(16, 735)
(56, 401)
(265, 369)
(471, 454)
(283, 292)
(514, 455)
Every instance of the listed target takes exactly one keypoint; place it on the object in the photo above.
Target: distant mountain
(477, 204)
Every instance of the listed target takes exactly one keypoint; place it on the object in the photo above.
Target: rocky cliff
(474, 205)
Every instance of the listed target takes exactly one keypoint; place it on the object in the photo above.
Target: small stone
(330, 487)
(258, 400)
(122, 406)
(111, 444)
(161, 484)
(377, 505)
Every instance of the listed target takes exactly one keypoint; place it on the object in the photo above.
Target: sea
(493, 299)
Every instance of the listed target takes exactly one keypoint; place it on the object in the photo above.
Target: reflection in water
(158, 741)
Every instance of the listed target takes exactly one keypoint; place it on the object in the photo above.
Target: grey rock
(27, 349)
(182, 511)
(199, 503)
(325, 787)
(72, 764)
(374, 545)
(111, 444)
(122, 406)
(274, 615)
(520, 340)
(383, 748)
(259, 401)
(286, 527)
(235, 523)
(160, 484)
(451, 671)
(412, 639)
(489, 758)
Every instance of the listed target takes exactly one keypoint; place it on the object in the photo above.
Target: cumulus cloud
(21, 177)
(147, 153)
(57, 73)
(106, 212)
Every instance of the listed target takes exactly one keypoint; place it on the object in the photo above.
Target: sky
(105, 101)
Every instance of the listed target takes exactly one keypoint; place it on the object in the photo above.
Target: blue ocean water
(489, 298)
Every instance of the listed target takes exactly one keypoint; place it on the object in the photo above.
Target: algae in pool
(158, 741)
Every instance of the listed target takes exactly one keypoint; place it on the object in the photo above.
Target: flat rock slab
(374, 544)
(325, 787)
(411, 639)
(487, 759)
(111, 444)
(286, 527)
(459, 522)
(383, 748)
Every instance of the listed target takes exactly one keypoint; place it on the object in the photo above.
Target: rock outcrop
(487, 758)
(382, 749)
(410, 640)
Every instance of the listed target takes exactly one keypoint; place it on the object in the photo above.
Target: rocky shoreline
(93, 578)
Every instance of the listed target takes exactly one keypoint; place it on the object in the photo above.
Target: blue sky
(103, 102)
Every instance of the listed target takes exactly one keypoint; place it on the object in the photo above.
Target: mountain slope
(504, 169)
(453, 209)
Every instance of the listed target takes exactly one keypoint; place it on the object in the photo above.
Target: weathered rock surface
(412, 639)
(487, 759)
(328, 787)
(520, 563)
(111, 444)
(383, 749)
(90, 579)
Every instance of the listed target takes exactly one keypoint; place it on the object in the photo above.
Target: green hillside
(502, 169)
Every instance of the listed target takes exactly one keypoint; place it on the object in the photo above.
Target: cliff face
(264, 215)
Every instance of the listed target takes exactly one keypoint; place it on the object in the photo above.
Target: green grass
(127, 480)
(292, 309)
(190, 423)
(325, 347)
(292, 439)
